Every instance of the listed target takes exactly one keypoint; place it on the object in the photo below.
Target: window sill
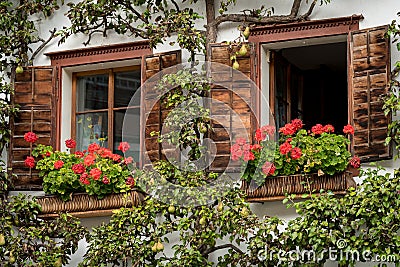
(275, 188)
(84, 206)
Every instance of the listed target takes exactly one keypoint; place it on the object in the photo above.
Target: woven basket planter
(83, 205)
(275, 188)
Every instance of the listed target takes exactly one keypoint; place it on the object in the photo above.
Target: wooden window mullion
(110, 109)
(73, 107)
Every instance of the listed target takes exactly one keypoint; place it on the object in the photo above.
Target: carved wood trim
(100, 54)
(306, 29)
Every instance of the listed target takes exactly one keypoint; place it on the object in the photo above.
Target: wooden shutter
(369, 76)
(233, 90)
(35, 93)
(153, 115)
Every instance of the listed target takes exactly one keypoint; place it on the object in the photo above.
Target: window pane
(126, 84)
(92, 92)
(91, 128)
(131, 131)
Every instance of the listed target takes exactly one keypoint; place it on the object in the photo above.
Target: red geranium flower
(317, 129)
(70, 143)
(255, 147)
(116, 157)
(268, 168)
(123, 146)
(248, 155)
(260, 135)
(105, 152)
(79, 154)
(285, 148)
(297, 124)
(329, 128)
(30, 162)
(95, 173)
(130, 181)
(47, 154)
(240, 141)
(355, 162)
(93, 147)
(78, 168)
(105, 180)
(236, 151)
(348, 129)
(89, 159)
(128, 160)
(268, 129)
(84, 179)
(58, 164)
(288, 129)
(295, 153)
(30, 137)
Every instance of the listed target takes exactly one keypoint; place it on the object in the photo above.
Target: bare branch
(213, 249)
(310, 10)
(90, 36)
(52, 35)
(211, 27)
(256, 20)
(176, 5)
(131, 8)
(292, 17)
(295, 8)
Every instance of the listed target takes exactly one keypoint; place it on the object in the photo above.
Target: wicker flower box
(83, 205)
(275, 188)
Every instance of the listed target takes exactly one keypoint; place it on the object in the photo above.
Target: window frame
(92, 55)
(298, 31)
(110, 101)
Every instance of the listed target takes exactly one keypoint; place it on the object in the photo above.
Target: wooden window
(233, 111)
(35, 93)
(100, 101)
(329, 92)
(153, 113)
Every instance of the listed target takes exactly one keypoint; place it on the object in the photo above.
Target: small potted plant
(298, 154)
(97, 172)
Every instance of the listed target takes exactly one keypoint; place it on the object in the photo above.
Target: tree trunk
(211, 28)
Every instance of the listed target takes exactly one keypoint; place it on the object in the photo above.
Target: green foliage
(19, 31)
(5, 180)
(112, 176)
(150, 19)
(188, 120)
(364, 220)
(30, 241)
(7, 110)
(224, 224)
(392, 100)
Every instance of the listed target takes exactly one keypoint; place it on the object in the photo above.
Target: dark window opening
(310, 83)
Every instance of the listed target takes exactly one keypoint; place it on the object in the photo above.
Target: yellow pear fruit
(2, 240)
(12, 260)
(171, 209)
(220, 207)
(58, 263)
(19, 70)
(160, 246)
(244, 212)
(235, 65)
(243, 50)
(202, 221)
(246, 32)
(154, 248)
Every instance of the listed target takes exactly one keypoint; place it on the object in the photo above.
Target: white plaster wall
(375, 13)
